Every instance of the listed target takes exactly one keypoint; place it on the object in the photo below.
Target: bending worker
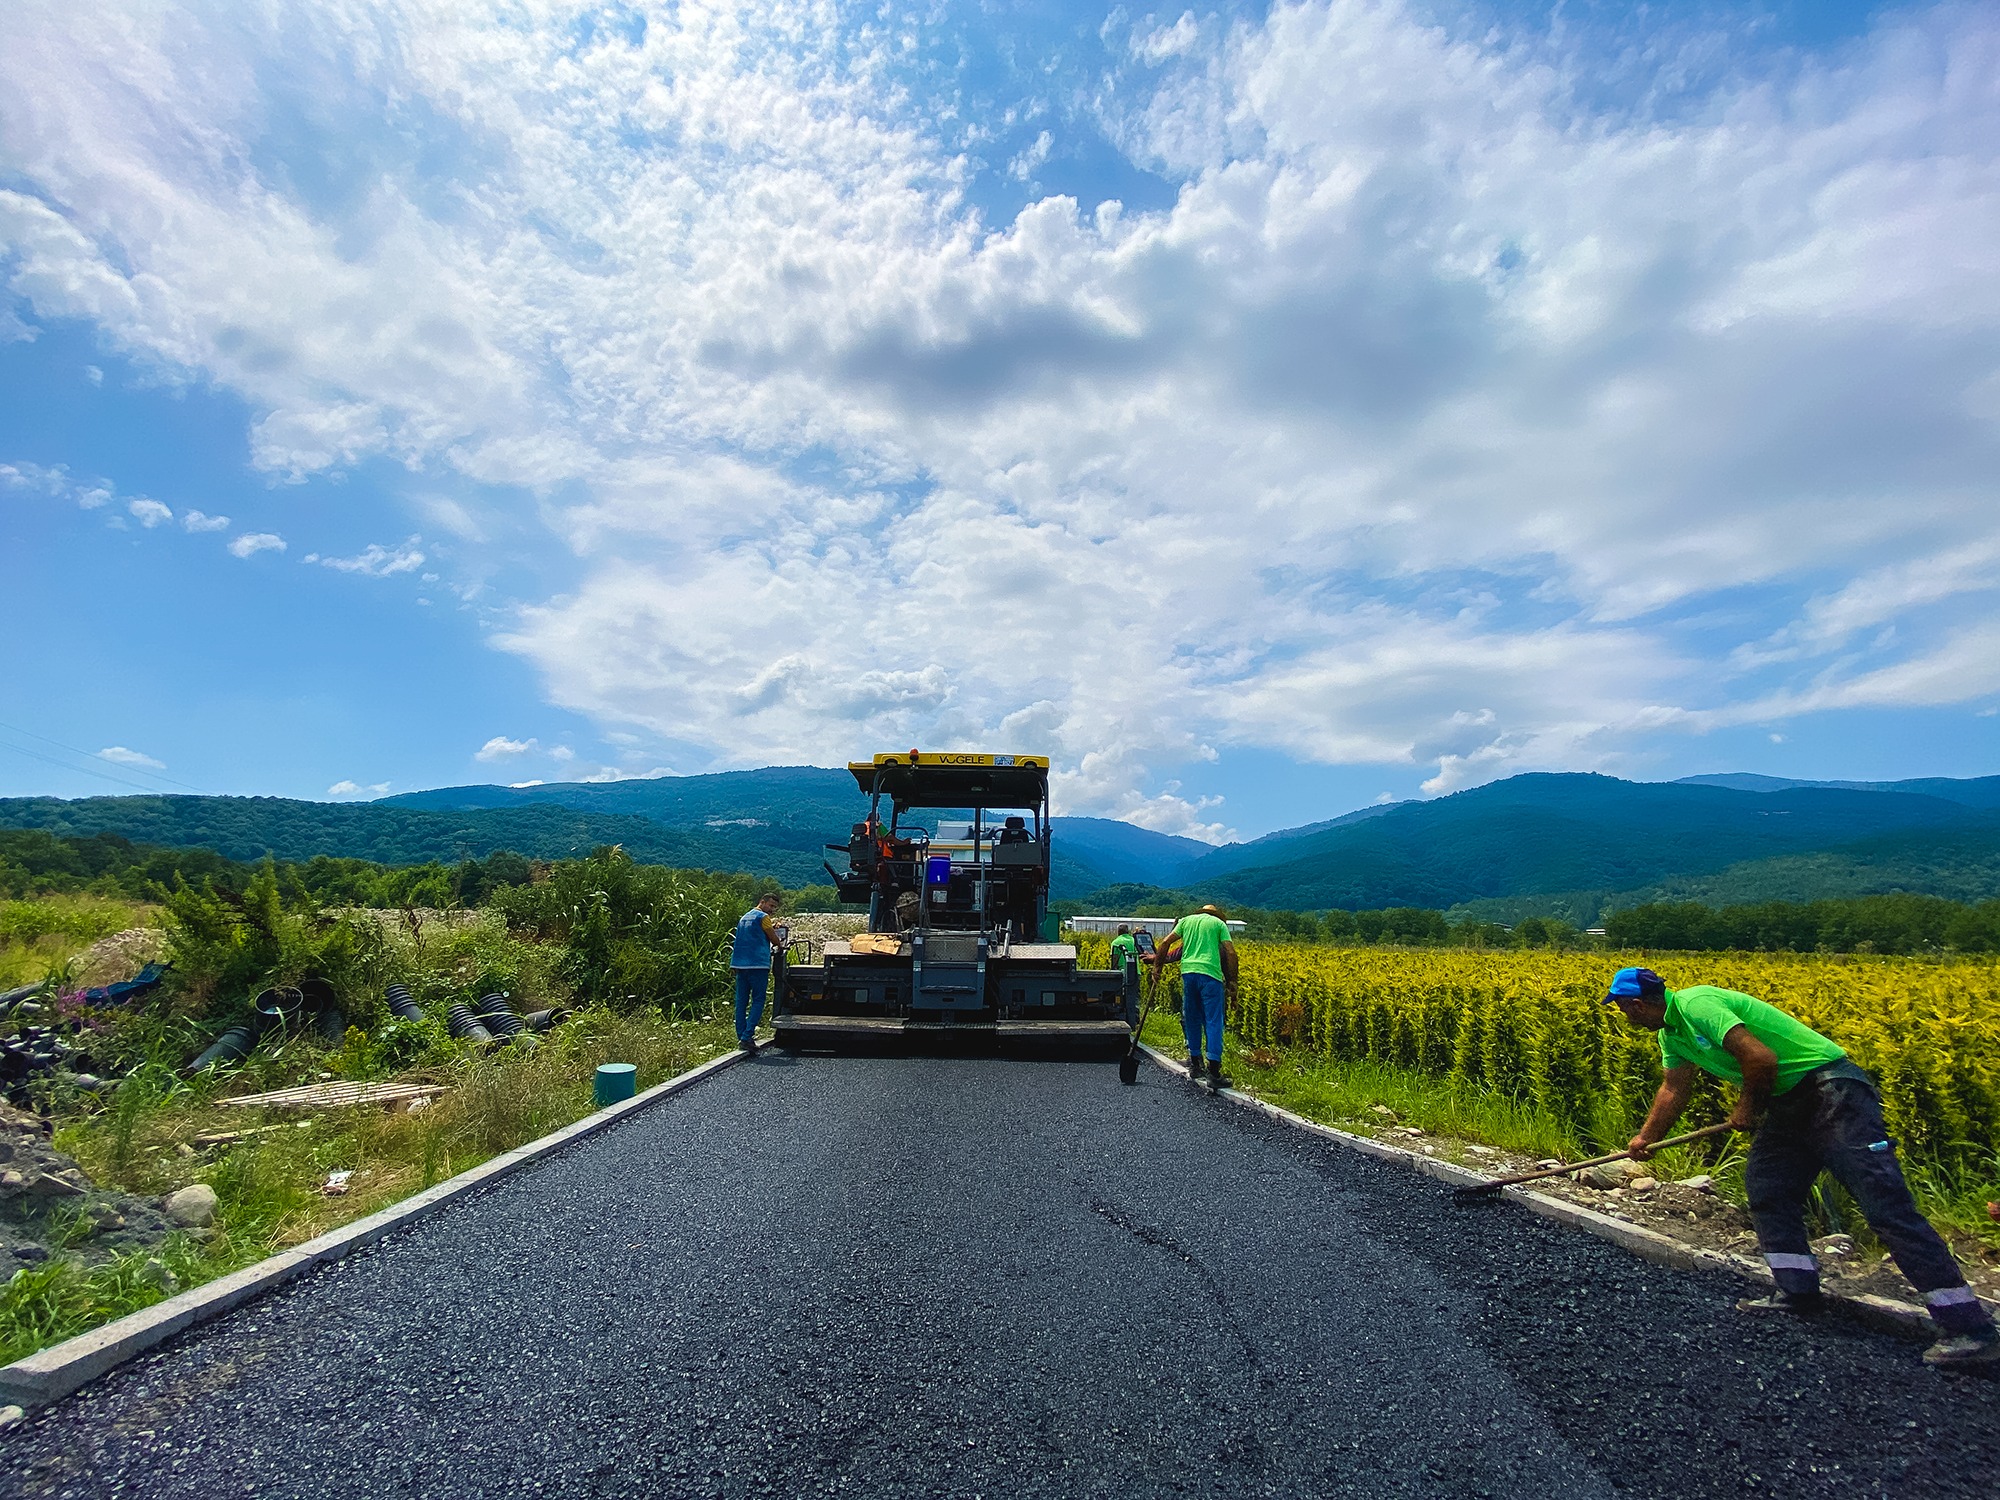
(1812, 1110)
(750, 962)
(1207, 956)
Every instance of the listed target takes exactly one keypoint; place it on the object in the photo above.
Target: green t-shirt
(1123, 947)
(1700, 1016)
(1202, 937)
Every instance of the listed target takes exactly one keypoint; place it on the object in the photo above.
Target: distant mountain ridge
(1554, 844)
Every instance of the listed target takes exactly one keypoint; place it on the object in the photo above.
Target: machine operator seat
(1015, 831)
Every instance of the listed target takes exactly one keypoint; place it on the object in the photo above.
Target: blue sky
(1263, 411)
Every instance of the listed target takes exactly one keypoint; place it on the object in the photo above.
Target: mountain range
(1574, 845)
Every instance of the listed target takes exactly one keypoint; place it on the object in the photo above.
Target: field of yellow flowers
(1529, 1024)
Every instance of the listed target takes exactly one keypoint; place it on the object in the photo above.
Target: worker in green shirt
(1812, 1110)
(1207, 955)
(1124, 947)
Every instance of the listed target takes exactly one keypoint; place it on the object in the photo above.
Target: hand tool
(1486, 1189)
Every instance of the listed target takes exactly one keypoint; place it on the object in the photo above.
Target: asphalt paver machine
(952, 860)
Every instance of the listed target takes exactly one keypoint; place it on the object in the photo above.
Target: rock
(53, 1185)
(192, 1207)
(1643, 1184)
(1833, 1246)
(1603, 1179)
(9, 1415)
(1481, 1151)
(12, 1182)
(1701, 1184)
(31, 1253)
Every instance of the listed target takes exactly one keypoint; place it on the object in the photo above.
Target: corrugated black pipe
(401, 1006)
(542, 1020)
(499, 1016)
(463, 1024)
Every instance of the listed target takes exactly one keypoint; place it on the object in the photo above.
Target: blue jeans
(752, 985)
(1832, 1121)
(1202, 1000)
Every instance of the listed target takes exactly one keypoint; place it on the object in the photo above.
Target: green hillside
(1559, 835)
(248, 828)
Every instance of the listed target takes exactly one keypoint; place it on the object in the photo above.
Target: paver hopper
(953, 861)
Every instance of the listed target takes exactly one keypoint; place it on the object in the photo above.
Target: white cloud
(614, 773)
(124, 757)
(1437, 422)
(253, 542)
(348, 788)
(149, 513)
(93, 374)
(502, 748)
(376, 561)
(195, 520)
(536, 781)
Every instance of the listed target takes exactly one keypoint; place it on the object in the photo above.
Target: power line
(93, 755)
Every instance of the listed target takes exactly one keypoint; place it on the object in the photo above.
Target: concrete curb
(62, 1368)
(1904, 1319)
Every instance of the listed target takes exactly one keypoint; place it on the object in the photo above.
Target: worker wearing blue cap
(1812, 1110)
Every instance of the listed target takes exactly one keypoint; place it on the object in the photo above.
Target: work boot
(1962, 1350)
(1778, 1300)
(1194, 1067)
(1215, 1079)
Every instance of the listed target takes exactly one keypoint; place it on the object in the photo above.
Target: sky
(1263, 411)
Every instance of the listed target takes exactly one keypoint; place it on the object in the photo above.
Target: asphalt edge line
(1883, 1314)
(52, 1373)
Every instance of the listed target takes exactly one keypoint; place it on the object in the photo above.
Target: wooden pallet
(336, 1095)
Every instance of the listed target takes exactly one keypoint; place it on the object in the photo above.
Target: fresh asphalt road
(955, 1276)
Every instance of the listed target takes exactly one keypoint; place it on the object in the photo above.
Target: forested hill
(1567, 834)
(1570, 845)
(248, 828)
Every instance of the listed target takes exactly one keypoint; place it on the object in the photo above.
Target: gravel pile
(878, 1276)
(48, 1205)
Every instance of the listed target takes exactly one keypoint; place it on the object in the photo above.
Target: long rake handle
(1596, 1161)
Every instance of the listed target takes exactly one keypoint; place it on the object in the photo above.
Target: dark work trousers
(1831, 1120)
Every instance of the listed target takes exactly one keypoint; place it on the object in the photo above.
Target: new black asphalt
(954, 1276)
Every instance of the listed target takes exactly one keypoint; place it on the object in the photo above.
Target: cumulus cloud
(195, 520)
(149, 513)
(502, 748)
(375, 560)
(125, 757)
(252, 542)
(1442, 419)
(349, 788)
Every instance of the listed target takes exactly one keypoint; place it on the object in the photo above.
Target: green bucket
(614, 1081)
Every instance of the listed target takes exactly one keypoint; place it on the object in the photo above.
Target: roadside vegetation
(1514, 1050)
(1893, 924)
(634, 958)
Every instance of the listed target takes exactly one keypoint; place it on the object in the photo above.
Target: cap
(1635, 984)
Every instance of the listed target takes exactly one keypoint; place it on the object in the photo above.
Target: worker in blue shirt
(750, 960)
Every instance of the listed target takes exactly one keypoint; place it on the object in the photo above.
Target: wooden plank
(335, 1095)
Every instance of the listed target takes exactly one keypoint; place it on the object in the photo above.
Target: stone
(1833, 1246)
(53, 1185)
(191, 1207)
(1702, 1184)
(9, 1415)
(1603, 1179)
(12, 1181)
(1643, 1184)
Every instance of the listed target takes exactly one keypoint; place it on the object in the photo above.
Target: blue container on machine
(614, 1081)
